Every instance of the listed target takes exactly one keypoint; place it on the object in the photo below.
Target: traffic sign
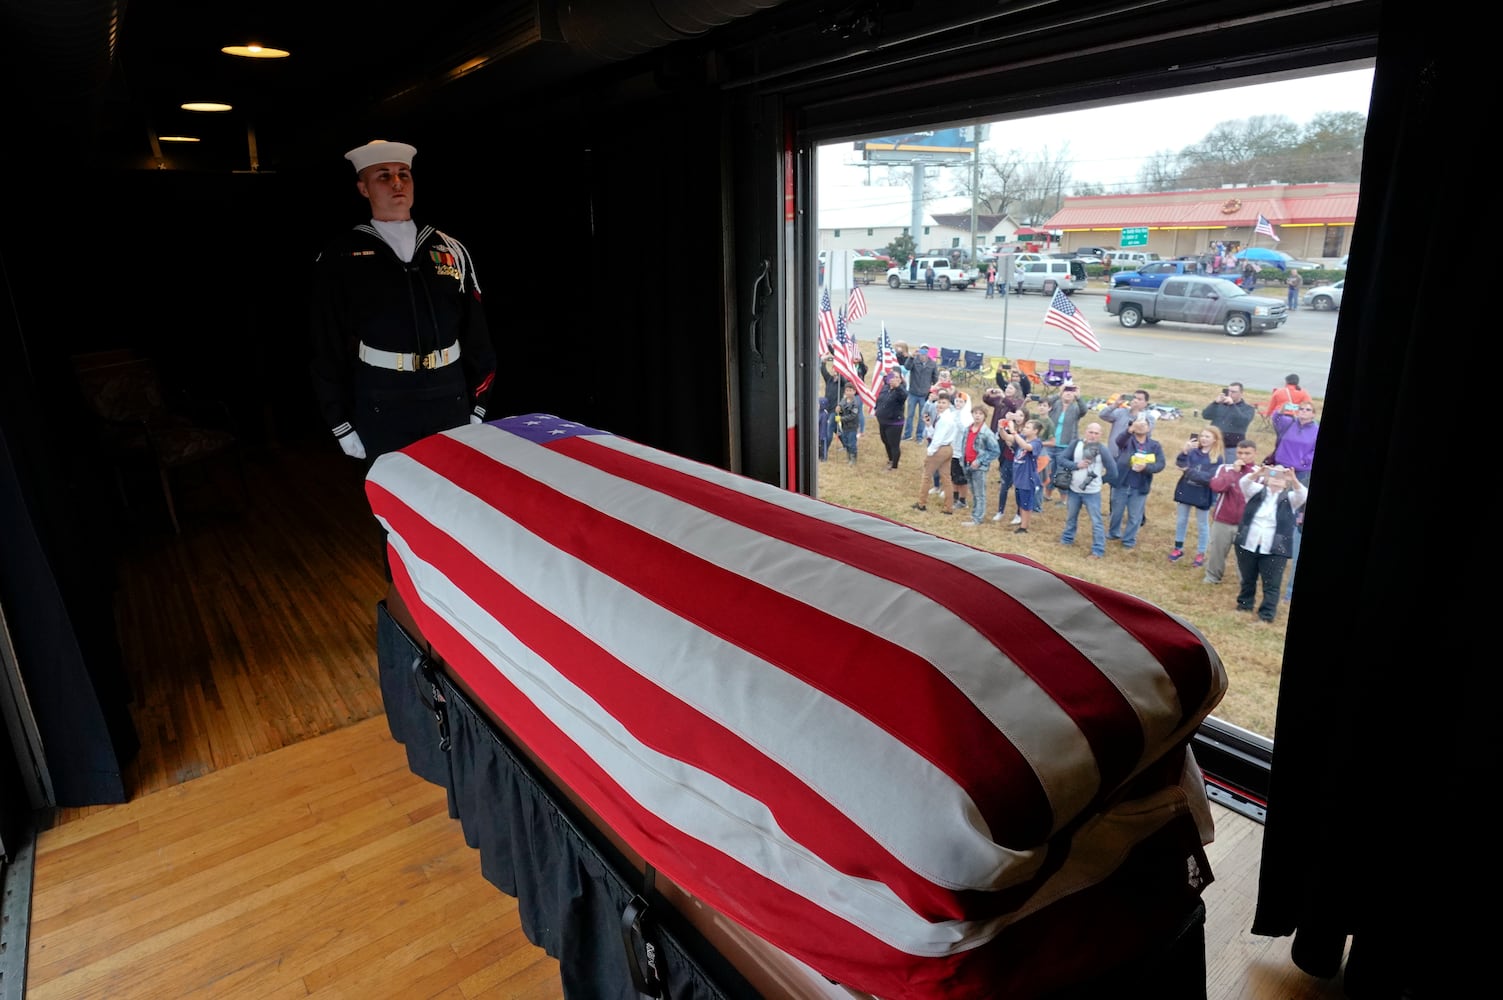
(1135, 237)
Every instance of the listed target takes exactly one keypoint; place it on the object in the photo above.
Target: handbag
(1063, 475)
(1195, 494)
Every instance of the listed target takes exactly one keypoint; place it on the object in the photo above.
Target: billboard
(948, 145)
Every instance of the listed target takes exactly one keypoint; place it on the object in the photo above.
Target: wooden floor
(276, 844)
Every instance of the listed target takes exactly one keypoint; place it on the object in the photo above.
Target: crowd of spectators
(1059, 449)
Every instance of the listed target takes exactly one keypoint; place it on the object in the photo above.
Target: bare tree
(1160, 172)
(996, 183)
(1238, 152)
(1329, 148)
(1042, 182)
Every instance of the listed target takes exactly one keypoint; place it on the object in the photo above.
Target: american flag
(1022, 739)
(855, 306)
(887, 361)
(845, 361)
(826, 326)
(1063, 314)
(1265, 228)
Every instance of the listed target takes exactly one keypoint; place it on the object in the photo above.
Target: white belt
(409, 362)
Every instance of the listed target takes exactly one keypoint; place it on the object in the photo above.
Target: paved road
(1013, 326)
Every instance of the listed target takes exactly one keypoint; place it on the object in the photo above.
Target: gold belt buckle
(427, 359)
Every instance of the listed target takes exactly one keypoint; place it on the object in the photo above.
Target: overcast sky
(1110, 144)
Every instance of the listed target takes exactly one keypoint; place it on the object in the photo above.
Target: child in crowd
(1026, 448)
(848, 413)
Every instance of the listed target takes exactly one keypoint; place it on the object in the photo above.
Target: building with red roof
(1311, 220)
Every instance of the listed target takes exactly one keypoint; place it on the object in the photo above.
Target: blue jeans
(978, 493)
(1005, 483)
(1057, 453)
(1126, 500)
(1092, 503)
(1202, 524)
(913, 424)
(848, 441)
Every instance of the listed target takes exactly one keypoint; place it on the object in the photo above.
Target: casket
(858, 758)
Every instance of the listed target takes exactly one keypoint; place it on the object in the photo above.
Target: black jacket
(362, 293)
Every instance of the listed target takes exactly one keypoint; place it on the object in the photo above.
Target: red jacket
(1230, 503)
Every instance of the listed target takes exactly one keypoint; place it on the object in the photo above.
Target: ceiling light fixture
(177, 138)
(252, 50)
(205, 106)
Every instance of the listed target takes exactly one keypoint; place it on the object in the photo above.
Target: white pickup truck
(947, 275)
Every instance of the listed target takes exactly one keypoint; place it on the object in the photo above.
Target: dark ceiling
(103, 80)
(107, 78)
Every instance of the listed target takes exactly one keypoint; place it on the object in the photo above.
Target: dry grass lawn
(1252, 651)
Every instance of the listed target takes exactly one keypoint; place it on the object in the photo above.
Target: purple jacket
(1296, 447)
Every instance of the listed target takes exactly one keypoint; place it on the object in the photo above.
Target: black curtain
(1374, 814)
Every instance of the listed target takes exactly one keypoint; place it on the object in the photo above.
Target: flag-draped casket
(922, 769)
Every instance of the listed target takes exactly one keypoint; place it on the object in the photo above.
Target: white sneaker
(997, 516)
(935, 491)
(1016, 519)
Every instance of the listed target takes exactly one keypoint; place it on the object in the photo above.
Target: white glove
(475, 420)
(352, 445)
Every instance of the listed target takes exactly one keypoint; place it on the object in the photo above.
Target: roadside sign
(1135, 237)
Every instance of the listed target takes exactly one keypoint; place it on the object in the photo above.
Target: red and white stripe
(860, 741)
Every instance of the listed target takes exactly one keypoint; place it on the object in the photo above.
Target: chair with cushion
(136, 424)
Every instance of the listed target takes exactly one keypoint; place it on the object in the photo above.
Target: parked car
(1152, 275)
(1323, 297)
(947, 275)
(1293, 263)
(1130, 259)
(1067, 275)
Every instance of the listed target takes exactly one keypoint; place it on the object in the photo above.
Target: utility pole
(975, 131)
(918, 207)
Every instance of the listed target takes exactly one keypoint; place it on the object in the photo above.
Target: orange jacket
(1285, 395)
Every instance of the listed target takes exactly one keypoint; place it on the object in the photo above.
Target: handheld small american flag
(845, 361)
(887, 361)
(855, 306)
(1265, 228)
(1063, 314)
(826, 325)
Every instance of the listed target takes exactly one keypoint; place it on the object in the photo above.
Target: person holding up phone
(1230, 414)
(1198, 458)
(1265, 536)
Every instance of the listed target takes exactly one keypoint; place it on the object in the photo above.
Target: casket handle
(422, 673)
(641, 954)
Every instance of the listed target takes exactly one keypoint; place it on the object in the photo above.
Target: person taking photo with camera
(1093, 464)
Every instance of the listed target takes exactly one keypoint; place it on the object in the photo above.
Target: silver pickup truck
(1191, 299)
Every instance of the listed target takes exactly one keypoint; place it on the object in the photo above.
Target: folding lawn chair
(949, 357)
(1058, 373)
(1029, 368)
(970, 371)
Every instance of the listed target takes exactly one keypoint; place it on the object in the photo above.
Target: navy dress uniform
(401, 349)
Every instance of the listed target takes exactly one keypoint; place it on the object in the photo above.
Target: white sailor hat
(380, 151)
